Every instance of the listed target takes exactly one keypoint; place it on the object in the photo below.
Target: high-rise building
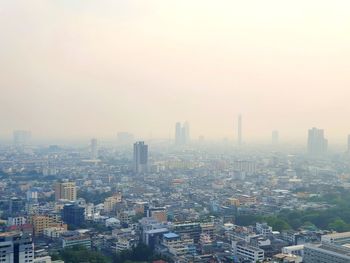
(274, 137)
(316, 144)
(32, 195)
(94, 149)
(178, 133)
(239, 130)
(193, 230)
(73, 214)
(349, 143)
(325, 253)
(16, 247)
(140, 157)
(158, 213)
(66, 191)
(186, 132)
(16, 206)
(21, 137)
(182, 133)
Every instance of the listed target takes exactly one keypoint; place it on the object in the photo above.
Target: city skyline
(98, 69)
(187, 131)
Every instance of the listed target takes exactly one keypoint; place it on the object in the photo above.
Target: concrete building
(16, 221)
(94, 149)
(44, 259)
(74, 239)
(65, 191)
(140, 157)
(158, 213)
(21, 137)
(40, 222)
(316, 142)
(247, 252)
(182, 133)
(246, 166)
(73, 214)
(54, 232)
(336, 238)
(263, 229)
(274, 138)
(326, 253)
(16, 248)
(109, 205)
(192, 230)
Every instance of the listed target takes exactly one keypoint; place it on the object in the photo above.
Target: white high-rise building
(21, 137)
(274, 137)
(94, 149)
(316, 143)
(32, 195)
(182, 133)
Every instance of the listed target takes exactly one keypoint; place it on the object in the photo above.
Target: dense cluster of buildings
(185, 202)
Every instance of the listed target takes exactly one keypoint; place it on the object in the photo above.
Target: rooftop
(171, 235)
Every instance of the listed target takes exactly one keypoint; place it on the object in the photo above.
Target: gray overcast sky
(83, 68)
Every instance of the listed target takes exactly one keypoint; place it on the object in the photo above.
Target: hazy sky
(82, 68)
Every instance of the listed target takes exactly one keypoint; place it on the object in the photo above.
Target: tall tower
(316, 142)
(274, 137)
(186, 132)
(178, 132)
(182, 133)
(66, 191)
(140, 157)
(21, 137)
(94, 149)
(239, 130)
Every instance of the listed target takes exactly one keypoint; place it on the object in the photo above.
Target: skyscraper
(16, 206)
(316, 143)
(73, 214)
(94, 149)
(349, 143)
(186, 132)
(178, 132)
(274, 137)
(21, 137)
(239, 130)
(140, 157)
(182, 133)
(66, 191)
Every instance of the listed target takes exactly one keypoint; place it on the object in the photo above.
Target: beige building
(232, 201)
(110, 203)
(66, 191)
(40, 222)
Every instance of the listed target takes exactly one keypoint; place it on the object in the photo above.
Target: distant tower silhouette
(316, 144)
(140, 157)
(94, 149)
(274, 137)
(182, 133)
(178, 132)
(239, 130)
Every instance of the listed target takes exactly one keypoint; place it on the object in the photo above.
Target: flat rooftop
(171, 235)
